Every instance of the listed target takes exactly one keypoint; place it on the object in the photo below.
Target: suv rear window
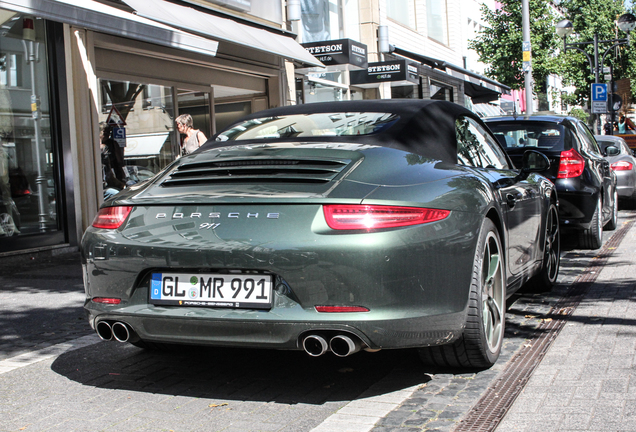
(540, 135)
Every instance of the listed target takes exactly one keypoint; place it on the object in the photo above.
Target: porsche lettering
(216, 215)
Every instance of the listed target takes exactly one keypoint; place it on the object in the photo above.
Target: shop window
(402, 11)
(404, 92)
(146, 115)
(437, 21)
(197, 104)
(440, 91)
(229, 113)
(28, 157)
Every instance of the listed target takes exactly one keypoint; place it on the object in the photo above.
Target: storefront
(70, 70)
(445, 81)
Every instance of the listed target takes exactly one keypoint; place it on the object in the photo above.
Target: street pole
(527, 54)
(597, 117)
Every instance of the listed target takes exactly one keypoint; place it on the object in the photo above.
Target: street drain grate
(490, 410)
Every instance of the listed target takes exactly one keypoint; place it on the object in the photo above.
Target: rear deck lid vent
(256, 170)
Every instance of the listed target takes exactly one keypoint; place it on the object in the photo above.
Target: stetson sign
(398, 72)
(339, 52)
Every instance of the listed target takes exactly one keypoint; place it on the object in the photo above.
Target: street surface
(56, 375)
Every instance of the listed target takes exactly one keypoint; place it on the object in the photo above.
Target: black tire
(592, 238)
(480, 344)
(547, 276)
(613, 222)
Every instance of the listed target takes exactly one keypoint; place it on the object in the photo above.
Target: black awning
(478, 87)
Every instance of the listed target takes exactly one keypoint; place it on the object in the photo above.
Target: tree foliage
(590, 17)
(500, 43)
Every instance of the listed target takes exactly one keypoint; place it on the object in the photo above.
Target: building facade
(414, 49)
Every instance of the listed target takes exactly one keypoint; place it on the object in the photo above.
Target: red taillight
(341, 309)
(367, 217)
(622, 166)
(111, 217)
(106, 300)
(572, 164)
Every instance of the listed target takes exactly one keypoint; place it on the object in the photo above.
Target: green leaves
(500, 44)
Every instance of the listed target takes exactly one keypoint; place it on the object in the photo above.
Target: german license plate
(212, 290)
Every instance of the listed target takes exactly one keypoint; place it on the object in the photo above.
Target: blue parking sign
(599, 92)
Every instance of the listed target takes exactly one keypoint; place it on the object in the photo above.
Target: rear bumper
(577, 208)
(261, 333)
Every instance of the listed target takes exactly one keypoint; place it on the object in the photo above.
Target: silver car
(623, 164)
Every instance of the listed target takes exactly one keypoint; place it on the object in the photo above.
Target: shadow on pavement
(228, 374)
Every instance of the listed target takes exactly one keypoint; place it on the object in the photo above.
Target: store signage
(389, 71)
(339, 52)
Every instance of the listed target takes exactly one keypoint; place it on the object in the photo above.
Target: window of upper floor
(437, 20)
(402, 11)
(324, 20)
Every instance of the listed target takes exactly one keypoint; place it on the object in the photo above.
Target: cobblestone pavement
(107, 386)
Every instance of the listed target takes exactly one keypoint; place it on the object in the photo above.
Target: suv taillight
(572, 164)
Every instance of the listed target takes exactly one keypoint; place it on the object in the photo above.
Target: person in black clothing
(114, 176)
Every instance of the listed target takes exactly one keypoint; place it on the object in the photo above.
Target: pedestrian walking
(193, 137)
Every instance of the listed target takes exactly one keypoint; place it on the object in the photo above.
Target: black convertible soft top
(425, 127)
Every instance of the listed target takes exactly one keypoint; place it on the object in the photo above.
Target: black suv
(585, 184)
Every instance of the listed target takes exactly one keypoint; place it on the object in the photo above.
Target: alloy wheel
(552, 245)
(492, 294)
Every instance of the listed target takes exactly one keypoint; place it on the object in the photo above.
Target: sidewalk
(587, 379)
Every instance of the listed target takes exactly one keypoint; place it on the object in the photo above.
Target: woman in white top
(193, 137)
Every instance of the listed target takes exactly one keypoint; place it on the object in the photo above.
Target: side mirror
(534, 161)
(611, 151)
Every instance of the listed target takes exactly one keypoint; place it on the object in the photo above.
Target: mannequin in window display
(8, 209)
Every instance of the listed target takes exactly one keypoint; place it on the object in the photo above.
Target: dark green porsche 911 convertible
(329, 227)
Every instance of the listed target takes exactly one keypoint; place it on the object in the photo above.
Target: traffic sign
(119, 135)
(115, 118)
(599, 98)
(599, 92)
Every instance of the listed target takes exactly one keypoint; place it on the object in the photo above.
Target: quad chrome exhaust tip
(341, 345)
(315, 345)
(104, 330)
(117, 330)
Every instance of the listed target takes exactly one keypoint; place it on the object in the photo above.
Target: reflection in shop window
(9, 74)
(147, 117)
(28, 162)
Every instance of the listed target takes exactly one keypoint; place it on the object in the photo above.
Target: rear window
(309, 125)
(540, 135)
